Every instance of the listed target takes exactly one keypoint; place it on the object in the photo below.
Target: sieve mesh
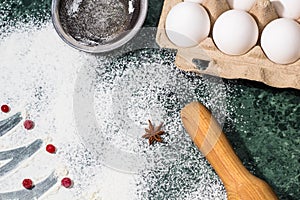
(96, 22)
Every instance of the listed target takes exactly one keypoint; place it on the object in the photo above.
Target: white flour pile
(39, 75)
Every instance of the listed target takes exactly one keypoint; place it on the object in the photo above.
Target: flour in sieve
(95, 22)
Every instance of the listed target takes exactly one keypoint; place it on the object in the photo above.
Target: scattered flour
(40, 75)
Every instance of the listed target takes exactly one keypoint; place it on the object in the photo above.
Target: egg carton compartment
(206, 58)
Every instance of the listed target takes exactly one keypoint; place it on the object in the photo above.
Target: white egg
(287, 8)
(194, 1)
(280, 40)
(235, 32)
(187, 24)
(241, 4)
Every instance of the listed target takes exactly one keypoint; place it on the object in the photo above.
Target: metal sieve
(98, 26)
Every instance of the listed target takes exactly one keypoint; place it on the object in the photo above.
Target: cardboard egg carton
(253, 65)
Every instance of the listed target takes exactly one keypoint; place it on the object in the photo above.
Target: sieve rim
(128, 35)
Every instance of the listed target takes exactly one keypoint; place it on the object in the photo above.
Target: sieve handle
(208, 136)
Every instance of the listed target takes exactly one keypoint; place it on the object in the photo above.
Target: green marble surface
(264, 129)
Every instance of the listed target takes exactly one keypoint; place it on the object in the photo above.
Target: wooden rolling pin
(209, 138)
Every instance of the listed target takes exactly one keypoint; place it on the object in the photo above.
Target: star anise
(153, 133)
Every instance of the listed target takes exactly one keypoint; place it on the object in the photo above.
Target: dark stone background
(264, 130)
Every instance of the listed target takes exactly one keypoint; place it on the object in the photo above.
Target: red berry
(5, 108)
(50, 148)
(28, 124)
(27, 183)
(66, 182)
